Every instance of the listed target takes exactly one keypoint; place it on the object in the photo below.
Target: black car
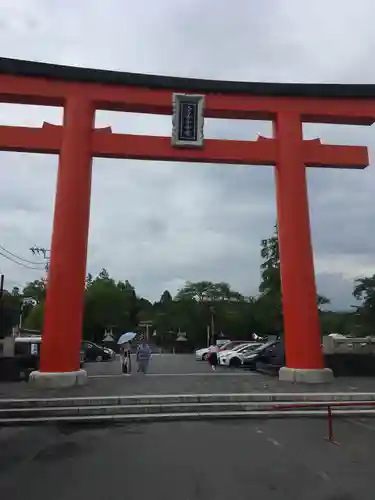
(270, 357)
(25, 360)
(26, 355)
(95, 352)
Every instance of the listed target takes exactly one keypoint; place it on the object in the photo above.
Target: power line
(20, 263)
(21, 258)
(42, 251)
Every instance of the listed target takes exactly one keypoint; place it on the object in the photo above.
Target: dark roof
(74, 74)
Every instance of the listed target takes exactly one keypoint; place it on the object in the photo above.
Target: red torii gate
(82, 91)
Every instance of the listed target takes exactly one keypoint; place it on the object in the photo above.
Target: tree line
(114, 305)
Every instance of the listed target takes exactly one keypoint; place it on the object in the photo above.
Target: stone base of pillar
(306, 376)
(46, 380)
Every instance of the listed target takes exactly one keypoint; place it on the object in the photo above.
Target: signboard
(188, 120)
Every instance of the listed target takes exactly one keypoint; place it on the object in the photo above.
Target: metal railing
(323, 404)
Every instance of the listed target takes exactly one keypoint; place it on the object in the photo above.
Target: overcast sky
(160, 224)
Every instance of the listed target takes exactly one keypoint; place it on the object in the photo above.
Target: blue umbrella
(126, 337)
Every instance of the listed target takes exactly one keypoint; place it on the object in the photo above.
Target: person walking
(212, 356)
(143, 356)
(125, 358)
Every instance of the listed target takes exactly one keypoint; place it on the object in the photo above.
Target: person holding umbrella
(125, 357)
(125, 351)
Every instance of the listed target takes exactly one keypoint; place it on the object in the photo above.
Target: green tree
(269, 312)
(10, 311)
(109, 304)
(270, 267)
(269, 303)
(103, 275)
(34, 318)
(201, 291)
(166, 298)
(89, 279)
(197, 302)
(207, 291)
(344, 322)
(35, 289)
(364, 291)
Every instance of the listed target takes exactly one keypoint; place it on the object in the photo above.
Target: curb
(171, 408)
(188, 398)
(162, 417)
(165, 407)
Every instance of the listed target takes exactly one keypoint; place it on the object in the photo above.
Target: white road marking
(273, 441)
(361, 424)
(259, 431)
(323, 475)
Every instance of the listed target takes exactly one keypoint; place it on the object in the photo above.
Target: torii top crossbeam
(25, 82)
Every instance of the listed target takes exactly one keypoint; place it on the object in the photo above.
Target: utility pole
(212, 311)
(147, 334)
(44, 252)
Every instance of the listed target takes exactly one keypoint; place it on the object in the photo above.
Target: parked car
(272, 359)
(201, 354)
(233, 344)
(95, 352)
(234, 348)
(268, 357)
(26, 356)
(234, 357)
(30, 346)
(26, 359)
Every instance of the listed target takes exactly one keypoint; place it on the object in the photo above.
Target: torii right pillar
(304, 356)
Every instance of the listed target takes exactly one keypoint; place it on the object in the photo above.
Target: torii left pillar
(60, 352)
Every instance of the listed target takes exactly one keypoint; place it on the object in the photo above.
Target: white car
(237, 348)
(201, 354)
(234, 358)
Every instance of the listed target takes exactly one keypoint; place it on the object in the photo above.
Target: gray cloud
(159, 224)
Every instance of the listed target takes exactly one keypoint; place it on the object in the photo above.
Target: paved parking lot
(266, 460)
(179, 374)
(167, 364)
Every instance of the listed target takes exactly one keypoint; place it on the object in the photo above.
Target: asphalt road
(266, 460)
(179, 374)
(165, 364)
